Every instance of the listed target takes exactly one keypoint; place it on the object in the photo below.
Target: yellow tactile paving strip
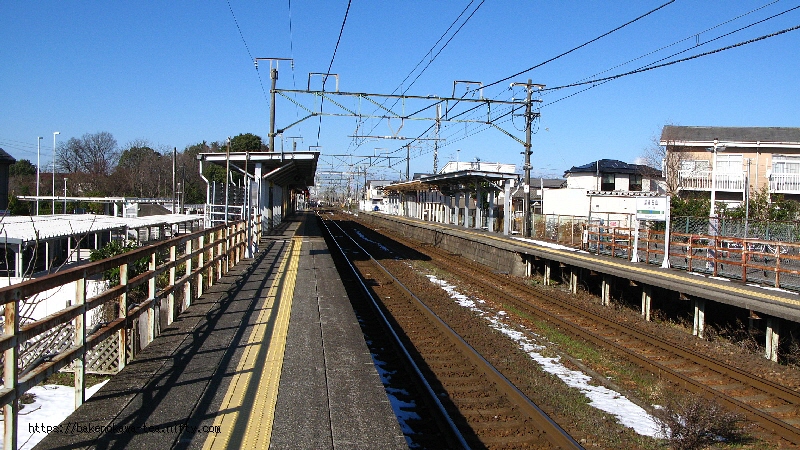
(254, 368)
(645, 270)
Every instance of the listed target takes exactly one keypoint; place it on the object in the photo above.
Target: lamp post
(38, 164)
(54, 170)
(65, 196)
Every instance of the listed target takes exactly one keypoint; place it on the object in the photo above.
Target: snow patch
(627, 413)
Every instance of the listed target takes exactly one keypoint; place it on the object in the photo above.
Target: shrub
(693, 422)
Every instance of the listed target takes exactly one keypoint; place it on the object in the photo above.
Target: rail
(773, 263)
(183, 266)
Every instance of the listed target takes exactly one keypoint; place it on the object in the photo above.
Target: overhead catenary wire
(246, 47)
(330, 66)
(430, 51)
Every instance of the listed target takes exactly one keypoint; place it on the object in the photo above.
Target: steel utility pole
(526, 207)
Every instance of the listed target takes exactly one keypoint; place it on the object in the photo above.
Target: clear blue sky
(180, 72)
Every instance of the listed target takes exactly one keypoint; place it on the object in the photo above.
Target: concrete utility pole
(408, 161)
(273, 75)
(526, 208)
(436, 142)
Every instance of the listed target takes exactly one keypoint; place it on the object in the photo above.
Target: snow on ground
(52, 405)
(405, 411)
(377, 244)
(600, 397)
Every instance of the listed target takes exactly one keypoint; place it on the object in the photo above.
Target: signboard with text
(651, 208)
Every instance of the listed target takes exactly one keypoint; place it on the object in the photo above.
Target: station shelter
(470, 196)
(269, 185)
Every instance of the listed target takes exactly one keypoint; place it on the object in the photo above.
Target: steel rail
(555, 434)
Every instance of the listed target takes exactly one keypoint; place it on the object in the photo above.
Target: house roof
(6, 158)
(612, 166)
(703, 135)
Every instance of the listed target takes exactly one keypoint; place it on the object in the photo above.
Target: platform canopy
(450, 182)
(294, 170)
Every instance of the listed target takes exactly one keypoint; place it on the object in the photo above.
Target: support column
(508, 208)
(773, 333)
(547, 271)
(605, 289)
(490, 224)
(466, 210)
(573, 279)
(699, 317)
(647, 296)
(478, 206)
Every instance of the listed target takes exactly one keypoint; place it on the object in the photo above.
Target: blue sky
(181, 72)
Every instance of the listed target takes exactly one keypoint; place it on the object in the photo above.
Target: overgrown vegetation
(694, 422)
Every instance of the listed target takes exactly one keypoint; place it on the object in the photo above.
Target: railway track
(477, 406)
(774, 407)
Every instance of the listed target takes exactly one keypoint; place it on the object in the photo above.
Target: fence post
(79, 365)
(10, 372)
(777, 265)
(187, 288)
(122, 357)
(171, 297)
(151, 295)
(201, 253)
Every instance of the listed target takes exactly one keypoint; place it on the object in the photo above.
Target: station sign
(651, 208)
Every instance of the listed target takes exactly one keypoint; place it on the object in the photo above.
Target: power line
(433, 47)
(580, 46)
(330, 66)
(241, 35)
(695, 35)
(669, 63)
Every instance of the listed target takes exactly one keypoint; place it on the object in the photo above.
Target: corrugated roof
(734, 134)
(31, 228)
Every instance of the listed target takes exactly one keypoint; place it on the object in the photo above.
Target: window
(785, 164)
(607, 182)
(635, 182)
(695, 166)
(729, 164)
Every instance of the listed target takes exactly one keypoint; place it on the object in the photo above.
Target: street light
(65, 195)
(54, 170)
(38, 164)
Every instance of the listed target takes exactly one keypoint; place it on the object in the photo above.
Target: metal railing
(184, 266)
(784, 183)
(766, 262)
(702, 181)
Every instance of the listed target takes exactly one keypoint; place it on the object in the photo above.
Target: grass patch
(68, 379)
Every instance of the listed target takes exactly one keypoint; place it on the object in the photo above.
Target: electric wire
(580, 46)
(246, 47)
(669, 63)
(695, 35)
(291, 56)
(330, 66)
(430, 61)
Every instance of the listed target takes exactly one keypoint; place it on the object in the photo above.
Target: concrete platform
(272, 356)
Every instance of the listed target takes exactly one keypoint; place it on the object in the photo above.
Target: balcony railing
(784, 183)
(701, 181)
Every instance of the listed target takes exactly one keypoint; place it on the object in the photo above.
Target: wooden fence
(177, 271)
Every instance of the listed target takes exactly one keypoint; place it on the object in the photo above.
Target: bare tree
(94, 154)
(668, 158)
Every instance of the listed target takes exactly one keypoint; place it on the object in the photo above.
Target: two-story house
(604, 189)
(724, 161)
